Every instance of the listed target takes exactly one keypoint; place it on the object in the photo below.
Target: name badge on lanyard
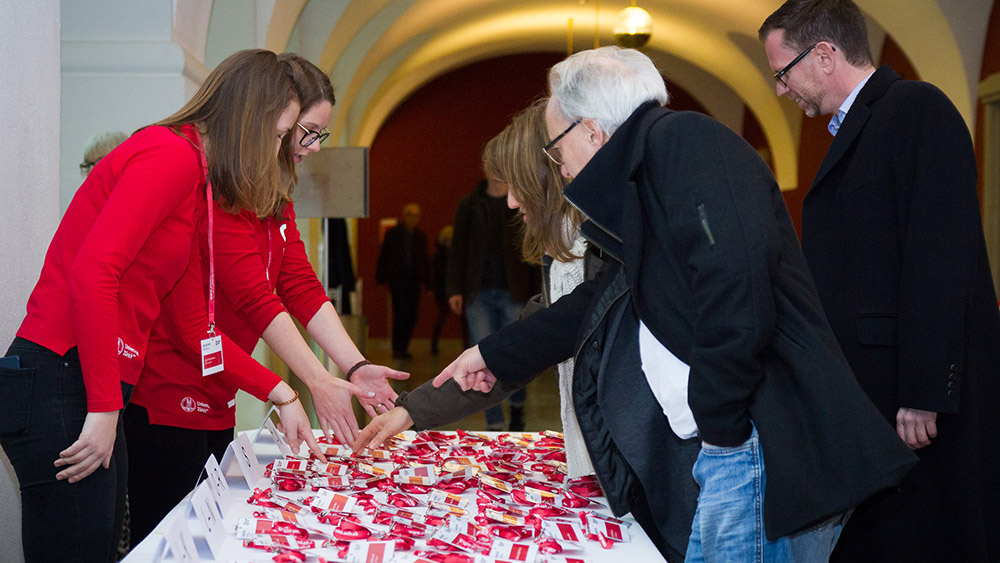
(211, 346)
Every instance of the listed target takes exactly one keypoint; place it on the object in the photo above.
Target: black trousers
(45, 407)
(405, 305)
(165, 463)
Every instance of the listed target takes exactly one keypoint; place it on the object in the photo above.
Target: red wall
(429, 151)
(991, 65)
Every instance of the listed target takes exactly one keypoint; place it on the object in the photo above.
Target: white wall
(121, 70)
(29, 125)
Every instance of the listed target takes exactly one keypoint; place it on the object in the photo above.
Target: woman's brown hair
(236, 110)
(311, 84)
(515, 157)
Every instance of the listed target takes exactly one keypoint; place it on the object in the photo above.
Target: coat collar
(598, 190)
(856, 118)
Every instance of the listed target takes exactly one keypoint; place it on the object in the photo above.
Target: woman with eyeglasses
(177, 417)
(123, 245)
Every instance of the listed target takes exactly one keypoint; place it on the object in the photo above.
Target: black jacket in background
(467, 258)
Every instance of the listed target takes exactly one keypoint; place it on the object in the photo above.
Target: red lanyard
(211, 261)
(267, 272)
(211, 247)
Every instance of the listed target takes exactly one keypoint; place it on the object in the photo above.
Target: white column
(29, 125)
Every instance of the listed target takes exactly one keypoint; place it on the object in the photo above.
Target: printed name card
(210, 518)
(252, 469)
(217, 484)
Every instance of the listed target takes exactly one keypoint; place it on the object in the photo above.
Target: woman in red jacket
(176, 417)
(121, 247)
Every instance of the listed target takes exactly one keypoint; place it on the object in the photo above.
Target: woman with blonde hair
(122, 245)
(552, 238)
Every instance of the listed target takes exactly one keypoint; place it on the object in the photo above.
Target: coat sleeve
(714, 196)
(431, 407)
(527, 347)
(151, 186)
(941, 231)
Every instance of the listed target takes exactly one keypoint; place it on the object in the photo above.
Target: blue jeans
(491, 310)
(729, 521)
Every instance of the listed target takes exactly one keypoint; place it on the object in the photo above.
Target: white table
(638, 549)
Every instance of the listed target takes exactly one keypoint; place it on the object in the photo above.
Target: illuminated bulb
(634, 27)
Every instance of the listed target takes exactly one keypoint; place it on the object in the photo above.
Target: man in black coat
(892, 233)
(706, 312)
(404, 265)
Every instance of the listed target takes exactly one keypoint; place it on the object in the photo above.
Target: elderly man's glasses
(552, 151)
(312, 136)
(780, 75)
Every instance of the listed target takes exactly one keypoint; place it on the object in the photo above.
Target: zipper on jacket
(703, 217)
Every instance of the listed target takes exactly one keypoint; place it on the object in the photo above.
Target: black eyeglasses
(780, 75)
(552, 151)
(312, 136)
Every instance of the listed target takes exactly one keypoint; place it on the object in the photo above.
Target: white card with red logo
(211, 355)
(326, 499)
(439, 496)
(511, 551)
(217, 484)
(566, 559)
(371, 552)
(563, 530)
(614, 530)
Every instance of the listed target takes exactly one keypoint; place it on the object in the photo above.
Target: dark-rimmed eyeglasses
(552, 151)
(779, 76)
(87, 166)
(311, 136)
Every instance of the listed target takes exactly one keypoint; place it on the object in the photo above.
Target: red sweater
(123, 243)
(253, 257)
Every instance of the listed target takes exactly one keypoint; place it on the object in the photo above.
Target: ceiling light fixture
(634, 27)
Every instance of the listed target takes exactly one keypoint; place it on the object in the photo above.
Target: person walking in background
(892, 233)
(440, 281)
(404, 265)
(487, 280)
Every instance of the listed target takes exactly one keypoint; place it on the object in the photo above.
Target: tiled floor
(541, 408)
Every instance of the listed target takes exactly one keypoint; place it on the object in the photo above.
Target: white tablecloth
(638, 549)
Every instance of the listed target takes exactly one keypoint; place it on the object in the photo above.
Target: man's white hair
(606, 85)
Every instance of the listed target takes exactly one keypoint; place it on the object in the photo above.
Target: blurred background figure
(404, 265)
(440, 281)
(97, 147)
(487, 278)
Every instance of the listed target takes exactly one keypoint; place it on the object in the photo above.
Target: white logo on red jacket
(190, 405)
(126, 350)
(281, 230)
